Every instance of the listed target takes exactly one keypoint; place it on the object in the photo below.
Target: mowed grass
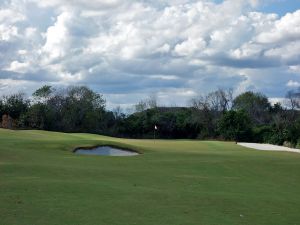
(178, 182)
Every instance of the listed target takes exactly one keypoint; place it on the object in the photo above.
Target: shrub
(235, 125)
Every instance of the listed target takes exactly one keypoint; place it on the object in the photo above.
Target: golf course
(172, 182)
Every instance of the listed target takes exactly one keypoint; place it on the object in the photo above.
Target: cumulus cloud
(125, 47)
(57, 37)
(96, 4)
(18, 67)
(293, 84)
(285, 29)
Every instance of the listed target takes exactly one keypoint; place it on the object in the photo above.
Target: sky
(129, 50)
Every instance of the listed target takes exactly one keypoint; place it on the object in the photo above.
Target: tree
(38, 116)
(216, 101)
(72, 109)
(235, 125)
(293, 99)
(277, 108)
(82, 109)
(256, 105)
(293, 133)
(149, 103)
(1, 109)
(293, 103)
(15, 105)
(152, 101)
(220, 100)
(210, 108)
(141, 106)
(118, 113)
(43, 93)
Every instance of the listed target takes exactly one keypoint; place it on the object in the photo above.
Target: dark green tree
(1, 108)
(293, 133)
(82, 109)
(235, 125)
(43, 93)
(256, 105)
(15, 105)
(40, 116)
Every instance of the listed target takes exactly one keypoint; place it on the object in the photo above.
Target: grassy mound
(173, 182)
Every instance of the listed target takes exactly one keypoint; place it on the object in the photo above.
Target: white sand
(268, 147)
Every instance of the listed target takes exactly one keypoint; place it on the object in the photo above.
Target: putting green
(175, 182)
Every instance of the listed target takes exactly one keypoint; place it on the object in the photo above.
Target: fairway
(178, 182)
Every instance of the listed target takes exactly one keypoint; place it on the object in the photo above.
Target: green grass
(172, 183)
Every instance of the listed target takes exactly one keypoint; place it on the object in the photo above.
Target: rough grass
(173, 183)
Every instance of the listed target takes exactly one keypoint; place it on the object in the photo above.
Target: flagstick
(155, 128)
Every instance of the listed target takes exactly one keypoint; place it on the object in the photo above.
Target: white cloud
(163, 49)
(22, 52)
(283, 30)
(57, 37)
(295, 69)
(288, 53)
(164, 77)
(10, 16)
(98, 4)
(180, 96)
(189, 47)
(8, 32)
(146, 46)
(18, 67)
(282, 101)
(293, 84)
(11, 86)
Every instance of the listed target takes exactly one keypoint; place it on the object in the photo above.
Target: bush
(261, 134)
(275, 139)
(235, 125)
(298, 144)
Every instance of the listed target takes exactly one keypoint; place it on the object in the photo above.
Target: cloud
(18, 67)
(277, 44)
(283, 30)
(8, 32)
(57, 37)
(293, 84)
(96, 4)
(146, 46)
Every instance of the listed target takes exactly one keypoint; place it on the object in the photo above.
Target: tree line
(218, 115)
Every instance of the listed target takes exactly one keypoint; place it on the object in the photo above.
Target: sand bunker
(105, 150)
(268, 147)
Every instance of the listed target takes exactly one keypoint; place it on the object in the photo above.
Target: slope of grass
(171, 183)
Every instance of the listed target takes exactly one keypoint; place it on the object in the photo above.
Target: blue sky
(127, 50)
(280, 7)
